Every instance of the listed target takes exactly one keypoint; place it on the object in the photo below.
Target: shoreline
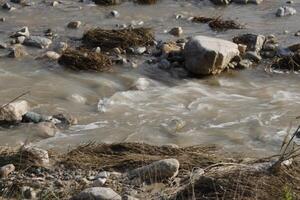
(124, 169)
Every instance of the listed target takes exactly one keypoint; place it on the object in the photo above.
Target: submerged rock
(13, 112)
(206, 55)
(156, 171)
(97, 193)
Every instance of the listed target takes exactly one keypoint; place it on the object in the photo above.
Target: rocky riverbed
(172, 74)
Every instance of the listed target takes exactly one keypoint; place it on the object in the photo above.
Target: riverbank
(199, 172)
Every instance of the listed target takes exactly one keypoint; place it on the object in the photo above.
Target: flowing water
(247, 110)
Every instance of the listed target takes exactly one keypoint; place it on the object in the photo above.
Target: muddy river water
(247, 110)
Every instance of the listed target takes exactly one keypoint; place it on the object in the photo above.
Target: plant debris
(85, 60)
(123, 38)
(107, 2)
(218, 24)
(291, 62)
(146, 2)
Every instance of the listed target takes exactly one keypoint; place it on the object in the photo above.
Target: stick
(15, 99)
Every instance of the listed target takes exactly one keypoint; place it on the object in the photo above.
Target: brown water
(246, 110)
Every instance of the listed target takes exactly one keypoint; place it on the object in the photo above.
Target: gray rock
(115, 13)
(252, 55)
(156, 171)
(3, 45)
(13, 112)
(6, 170)
(244, 64)
(176, 31)
(255, 1)
(38, 41)
(74, 24)
(97, 193)
(52, 55)
(34, 117)
(285, 11)
(205, 55)
(254, 42)
(240, 1)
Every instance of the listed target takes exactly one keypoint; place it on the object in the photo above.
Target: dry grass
(123, 38)
(217, 23)
(146, 2)
(85, 60)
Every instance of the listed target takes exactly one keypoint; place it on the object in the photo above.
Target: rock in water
(221, 2)
(285, 11)
(13, 112)
(6, 170)
(156, 171)
(97, 193)
(206, 55)
(38, 41)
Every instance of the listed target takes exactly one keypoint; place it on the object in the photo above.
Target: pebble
(297, 33)
(52, 55)
(6, 170)
(114, 13)
(176, 31)
(74, 24)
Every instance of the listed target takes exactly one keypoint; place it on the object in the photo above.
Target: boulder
(97, 193)
(13, 112)
(206, 55)
(156, 171)
(285, 11)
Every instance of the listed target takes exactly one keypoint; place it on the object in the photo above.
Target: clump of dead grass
(217, 23)
(122, 38)
(85, 60)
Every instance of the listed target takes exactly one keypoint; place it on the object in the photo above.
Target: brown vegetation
(123, 38)
(85, 60)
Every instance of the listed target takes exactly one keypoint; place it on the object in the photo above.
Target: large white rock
(14, 111)
(97, 193)
(156, 171)
(206, 55)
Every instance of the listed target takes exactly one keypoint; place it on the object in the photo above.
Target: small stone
(115, 13)
(52, 55)
(103, 174)
(54, 3)
(297, 33)
(141, 84)
(156, 171)
(252, 55)
(140, 50)
(46, 129)
(99, 182)
(74, 25)
(32, 117)
(2, 19)
(244, 64)
(28, 193)
(285, 11)
(97, 193)
(6, 170)
(242, 48)
(98, 50)
(176, 31)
